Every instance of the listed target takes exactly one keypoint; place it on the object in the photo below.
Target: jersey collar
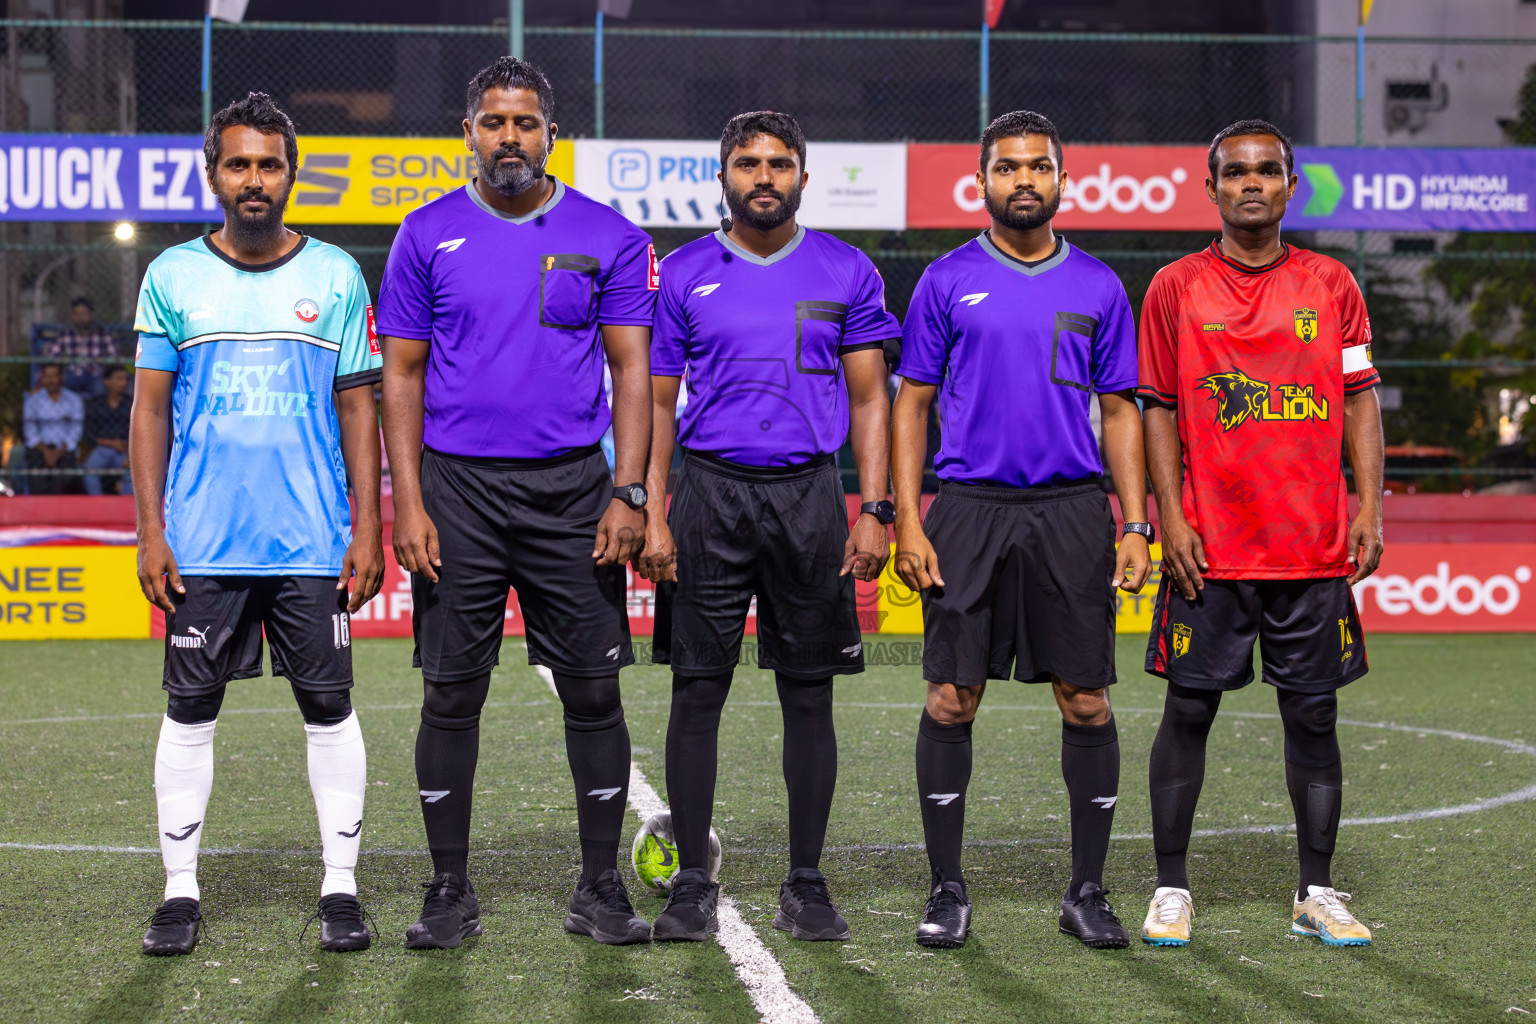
(478, 200)
(762, 261)
(255, 268)
(1285, 254)
(1034, 269)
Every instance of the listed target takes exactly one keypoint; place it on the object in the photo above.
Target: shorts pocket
(568, 290)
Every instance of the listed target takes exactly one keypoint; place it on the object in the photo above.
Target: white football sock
(338, 776)
(183, 780)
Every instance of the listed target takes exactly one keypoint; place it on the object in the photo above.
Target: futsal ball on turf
(654, 853)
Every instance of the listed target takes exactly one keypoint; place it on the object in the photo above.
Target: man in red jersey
(1255, 366)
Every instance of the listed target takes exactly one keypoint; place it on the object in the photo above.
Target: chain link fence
(1462, 382)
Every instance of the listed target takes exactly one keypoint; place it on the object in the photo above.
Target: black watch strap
(884, 511)
(1145, 529)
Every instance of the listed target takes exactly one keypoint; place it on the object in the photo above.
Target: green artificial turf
(1450, 898)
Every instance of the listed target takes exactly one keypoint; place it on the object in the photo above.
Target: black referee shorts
(214, 635)
(527, 525)
(1027, 573)
(778, 533)
(1309, 635)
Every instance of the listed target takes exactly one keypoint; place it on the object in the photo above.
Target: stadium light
(123, 232)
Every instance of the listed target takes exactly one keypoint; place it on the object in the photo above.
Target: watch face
(637, 496)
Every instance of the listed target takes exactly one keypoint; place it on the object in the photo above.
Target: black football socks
(943, 773)
(1090, 764)
(1314, 776)
(597, 746)
(693, 742)
(1177, 772)
(447, 749)
(810, 764)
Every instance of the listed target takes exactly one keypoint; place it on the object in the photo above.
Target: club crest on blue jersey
(307, 310)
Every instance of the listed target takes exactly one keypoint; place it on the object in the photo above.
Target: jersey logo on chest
(1306, 324)
(1240, 398)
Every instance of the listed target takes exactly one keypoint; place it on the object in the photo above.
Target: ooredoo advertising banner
(1109, 188)
(1450, 588)
(342, 179)
(673, 184)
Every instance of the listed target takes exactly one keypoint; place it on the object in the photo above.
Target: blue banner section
(1414, 190)
(104, 178)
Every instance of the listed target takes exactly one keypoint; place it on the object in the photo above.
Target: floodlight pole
(597, 77)
(207, 66)
(515, 28)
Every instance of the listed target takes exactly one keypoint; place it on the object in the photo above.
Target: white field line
(757, 969)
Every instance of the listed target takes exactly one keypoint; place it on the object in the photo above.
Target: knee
(949, 704)
(455, 706)
(1191, 709)
(1081, 705)
(1309, 715)
(590, 704)
(804, 699)
(331, 707)
(203, 707)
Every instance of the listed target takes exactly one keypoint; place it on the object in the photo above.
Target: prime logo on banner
(673, 184)
(342, 179)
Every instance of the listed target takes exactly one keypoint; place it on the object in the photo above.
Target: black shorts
(1027, 574)
(1309, 635)
(214, 635)
(529, 525)
(778, 533)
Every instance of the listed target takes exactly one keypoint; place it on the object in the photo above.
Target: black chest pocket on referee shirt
(818, 335)
(1072, 350)
(568, 289)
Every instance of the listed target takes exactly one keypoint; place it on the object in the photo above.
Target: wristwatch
(1145, 529)
(632, 495)
(881, 510)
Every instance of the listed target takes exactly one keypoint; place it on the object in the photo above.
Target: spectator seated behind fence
(83, 338)
(106, 428)
(52, 420)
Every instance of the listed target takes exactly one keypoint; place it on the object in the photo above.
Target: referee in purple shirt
(779, 333)
(1019, 331)
(497, 307)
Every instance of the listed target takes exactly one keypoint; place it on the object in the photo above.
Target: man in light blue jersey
(256, 365)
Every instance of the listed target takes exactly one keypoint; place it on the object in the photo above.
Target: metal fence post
(1360, 130)
(597, 77)
(515, 28)
(207, 68)
(986, 73)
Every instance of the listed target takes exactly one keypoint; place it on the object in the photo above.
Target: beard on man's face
(252, 230)
(1022, 220)
(743, 211)
(511, 180)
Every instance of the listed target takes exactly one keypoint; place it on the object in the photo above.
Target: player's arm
(405, 389)
(621, 532)
(916, 562)
(1124, 451)
(1364, 444)
(1183, 554)
(359, 418)
(658, 560)
(869, 407)
(149, 433)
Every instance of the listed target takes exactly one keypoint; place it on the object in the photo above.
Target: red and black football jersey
(1258, 361)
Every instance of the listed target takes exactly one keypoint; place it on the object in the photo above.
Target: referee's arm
(405, 389)
(658, 561)
(916, 562)
(621, 532)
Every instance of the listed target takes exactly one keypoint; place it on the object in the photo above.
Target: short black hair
(258, 111)
(1252, 126)
(111, 368)
(510, 73)
(741, 129)
(50, 365)
(81, 300)
(1015, 123)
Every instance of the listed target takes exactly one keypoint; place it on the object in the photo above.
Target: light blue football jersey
(256, 484)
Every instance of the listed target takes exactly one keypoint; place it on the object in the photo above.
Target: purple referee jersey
(511, 307)
(1018, 349)
(760, 339)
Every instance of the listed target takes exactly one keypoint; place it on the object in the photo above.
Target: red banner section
(1450, 588)
(1109, 188)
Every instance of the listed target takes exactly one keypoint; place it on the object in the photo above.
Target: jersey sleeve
(670, 330)
(405, 292)
(629, 293)
(1114, 349)
(1157, 344)
(1355, 327)
(925, 335)
(868, 324)
(360, 362)
(156, 350)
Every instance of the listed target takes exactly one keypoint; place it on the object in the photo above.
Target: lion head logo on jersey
(1238, 397)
